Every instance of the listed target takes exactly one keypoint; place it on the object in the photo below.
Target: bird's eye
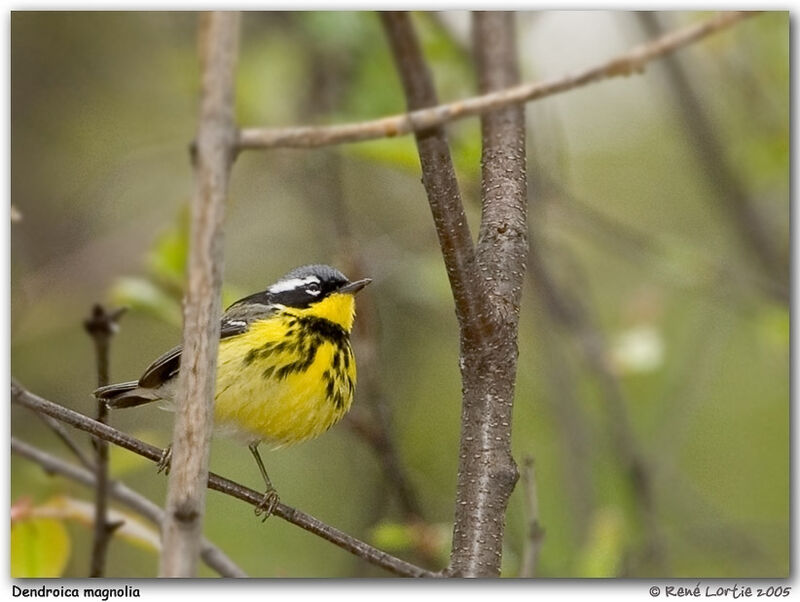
(313, 289)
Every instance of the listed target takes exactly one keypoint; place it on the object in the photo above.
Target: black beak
(354, 287)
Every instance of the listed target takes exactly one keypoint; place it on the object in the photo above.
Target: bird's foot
(166, 460)
(267, 504)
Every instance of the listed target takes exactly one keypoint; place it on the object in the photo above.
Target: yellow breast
(288, 378)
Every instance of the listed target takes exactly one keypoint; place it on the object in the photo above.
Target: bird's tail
(125, 395)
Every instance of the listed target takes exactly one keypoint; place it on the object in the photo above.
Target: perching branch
(419, 119)
(309, 523)
(215, 558)
(101, 326)
(194, 402)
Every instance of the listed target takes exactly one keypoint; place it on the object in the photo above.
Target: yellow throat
(338, 308)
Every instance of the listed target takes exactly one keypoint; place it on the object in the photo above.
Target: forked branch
(478, 278)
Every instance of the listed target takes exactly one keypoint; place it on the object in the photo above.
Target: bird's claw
(267, 504)
(165, 461)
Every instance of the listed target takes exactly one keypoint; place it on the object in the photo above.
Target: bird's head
(318, 290)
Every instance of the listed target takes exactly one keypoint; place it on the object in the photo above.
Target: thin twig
(101, 326)
(194, 401)
(420, 119)
(359, 548)
(214, 558)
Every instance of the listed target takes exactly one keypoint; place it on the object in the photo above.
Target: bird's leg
(270, 500)
(166, 459)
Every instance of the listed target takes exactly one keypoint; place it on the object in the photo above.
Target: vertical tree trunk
(487, 472)
(486, 287)
(216, 137)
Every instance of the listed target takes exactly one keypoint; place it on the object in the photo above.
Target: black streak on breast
(303, 338)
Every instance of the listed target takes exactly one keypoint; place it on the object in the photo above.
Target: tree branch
(420, 119)
(215, 558)
(309, 523)
(194, 401)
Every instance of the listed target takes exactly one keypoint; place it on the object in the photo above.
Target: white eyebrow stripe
(291, 284)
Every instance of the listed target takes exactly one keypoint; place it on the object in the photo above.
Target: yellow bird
(285, 368)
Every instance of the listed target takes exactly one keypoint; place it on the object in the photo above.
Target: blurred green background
(647, 319)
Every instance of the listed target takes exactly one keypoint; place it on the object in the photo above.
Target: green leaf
(40, 547)
(400, 153)
(143, 295)
(392, 536)
(430, 539)
(166, 261)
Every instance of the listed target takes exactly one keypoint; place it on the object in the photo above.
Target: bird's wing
(168, 364)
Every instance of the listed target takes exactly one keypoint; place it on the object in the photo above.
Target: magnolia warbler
(285, 369)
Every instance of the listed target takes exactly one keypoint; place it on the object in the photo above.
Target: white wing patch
(292, 284)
